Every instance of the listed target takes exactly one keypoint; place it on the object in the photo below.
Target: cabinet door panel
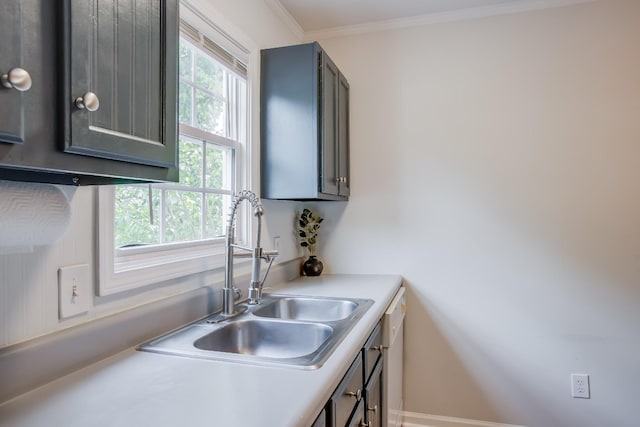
(373, 397)
(11, 100)
(358, 418)
(329, 126)
(117, 50)
(343, 136)
(372, 351)
(348, 394)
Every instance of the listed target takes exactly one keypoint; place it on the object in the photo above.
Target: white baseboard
(414, 419)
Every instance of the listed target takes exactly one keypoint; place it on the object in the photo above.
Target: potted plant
(308, 226)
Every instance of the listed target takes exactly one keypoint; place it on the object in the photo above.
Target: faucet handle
(237, 293)
(269, 256)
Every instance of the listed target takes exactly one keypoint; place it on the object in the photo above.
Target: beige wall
(496, 166)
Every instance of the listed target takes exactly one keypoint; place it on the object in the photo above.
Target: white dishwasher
(392, 344)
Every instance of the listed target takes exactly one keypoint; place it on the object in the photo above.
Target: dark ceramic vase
(312, 266)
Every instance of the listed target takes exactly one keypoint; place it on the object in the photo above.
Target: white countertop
(135, 388)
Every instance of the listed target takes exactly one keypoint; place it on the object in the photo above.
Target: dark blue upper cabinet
(304, 125)
(15, 80)
(120, 92)
(101, 108)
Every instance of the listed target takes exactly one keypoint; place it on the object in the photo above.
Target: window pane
(218, 170)
(209, 75)
(190, 162)
(183, 212)
(210, 115)
(215, 221)
(185, 112)
(132, 221)
(186, 61)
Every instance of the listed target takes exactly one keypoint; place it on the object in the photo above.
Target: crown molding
(436, 18)
(286, 17)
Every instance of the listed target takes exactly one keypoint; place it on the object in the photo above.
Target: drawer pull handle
(357, 394)
(374, 409)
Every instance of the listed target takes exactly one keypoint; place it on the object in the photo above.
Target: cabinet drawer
(372, 351)
(348, 394)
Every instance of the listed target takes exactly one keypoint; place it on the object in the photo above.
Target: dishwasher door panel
(393, 344)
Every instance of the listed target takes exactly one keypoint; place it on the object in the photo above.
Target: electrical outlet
(580, 386)
(276, 243)
(74, 294)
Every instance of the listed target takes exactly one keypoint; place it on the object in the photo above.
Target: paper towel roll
(32, 214)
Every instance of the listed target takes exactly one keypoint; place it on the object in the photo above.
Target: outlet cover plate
(580, 386)
(74, 290)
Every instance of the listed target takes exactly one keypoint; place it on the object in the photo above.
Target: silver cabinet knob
(17, 78)
(89, 101)
(357, 394)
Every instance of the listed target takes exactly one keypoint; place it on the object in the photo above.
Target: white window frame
(133, 268)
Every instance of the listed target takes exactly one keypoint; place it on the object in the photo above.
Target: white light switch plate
(74, 290)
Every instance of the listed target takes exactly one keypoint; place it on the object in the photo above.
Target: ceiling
(322, 15)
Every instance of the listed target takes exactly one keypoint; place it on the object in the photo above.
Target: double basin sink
(294, 331)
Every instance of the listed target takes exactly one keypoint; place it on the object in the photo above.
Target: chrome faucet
(230, 293)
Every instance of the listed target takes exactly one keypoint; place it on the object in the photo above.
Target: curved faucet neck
(228, 294)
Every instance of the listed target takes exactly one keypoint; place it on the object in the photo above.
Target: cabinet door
(359, 417)
(120, 79)
(347, 395)
(372, 351)
(12, 127)
(343, 136)
(373, 397)
(329, 138)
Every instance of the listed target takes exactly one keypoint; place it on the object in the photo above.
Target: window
(180, 226)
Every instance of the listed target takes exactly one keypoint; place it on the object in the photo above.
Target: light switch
(74, 290)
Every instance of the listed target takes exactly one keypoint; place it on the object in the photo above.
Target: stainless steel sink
(284, 330)
(308, 309)
(266, 339)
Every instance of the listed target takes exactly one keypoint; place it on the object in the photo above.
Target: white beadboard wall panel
(13, 305)
(30, 280)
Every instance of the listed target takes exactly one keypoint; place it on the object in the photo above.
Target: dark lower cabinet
(357, 401)
(56, 55)
(373, 364)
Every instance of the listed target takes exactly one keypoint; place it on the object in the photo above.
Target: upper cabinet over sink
(102, 103)
(304, 125)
